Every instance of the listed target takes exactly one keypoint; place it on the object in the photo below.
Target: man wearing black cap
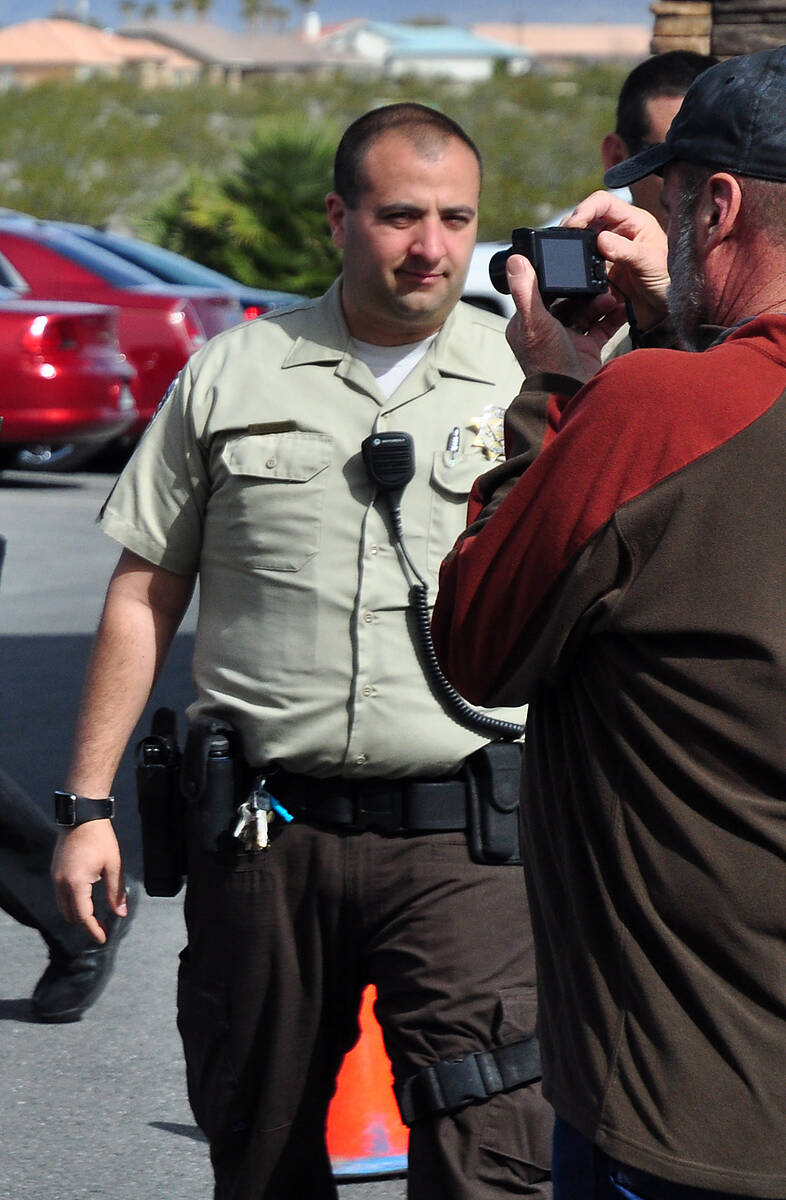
(648, 102)
(627, 578)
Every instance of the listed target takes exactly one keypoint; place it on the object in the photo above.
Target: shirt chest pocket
(451, 484)
(274, 498)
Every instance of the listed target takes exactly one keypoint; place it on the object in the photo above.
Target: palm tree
(265, 224)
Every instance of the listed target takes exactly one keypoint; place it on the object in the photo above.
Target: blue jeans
(582, 1172)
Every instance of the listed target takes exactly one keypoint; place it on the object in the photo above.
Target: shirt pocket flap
(456, 478)
(294, 457)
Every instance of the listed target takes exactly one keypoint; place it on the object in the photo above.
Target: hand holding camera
(635, 249)
(566, 262)
(563, 269)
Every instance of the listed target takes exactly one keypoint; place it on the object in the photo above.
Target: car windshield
(102, 262)
(10, 277)
(165, 264)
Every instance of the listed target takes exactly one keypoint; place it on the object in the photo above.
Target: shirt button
(361, 760)
(368, 690)
(271, 462)
(374, 550)
(368, 617)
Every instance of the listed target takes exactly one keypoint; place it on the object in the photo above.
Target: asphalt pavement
(95, 1109)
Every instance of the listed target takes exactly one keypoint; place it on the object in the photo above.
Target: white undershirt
(390, 364)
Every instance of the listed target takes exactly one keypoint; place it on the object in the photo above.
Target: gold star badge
(489, 432)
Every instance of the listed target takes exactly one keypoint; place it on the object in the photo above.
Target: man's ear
(336, 208)
(720, 207)
(613, 150)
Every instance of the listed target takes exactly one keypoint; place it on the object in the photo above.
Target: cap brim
(633, 169)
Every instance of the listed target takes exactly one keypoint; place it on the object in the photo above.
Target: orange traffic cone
(365, 1136)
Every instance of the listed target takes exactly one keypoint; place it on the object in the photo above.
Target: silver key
(261, 819)
(246, 816)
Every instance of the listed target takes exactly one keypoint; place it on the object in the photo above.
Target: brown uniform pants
(280, 947)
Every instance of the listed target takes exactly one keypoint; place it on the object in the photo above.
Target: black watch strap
(71, 810)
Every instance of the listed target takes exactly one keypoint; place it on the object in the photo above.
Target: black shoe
(68, 986)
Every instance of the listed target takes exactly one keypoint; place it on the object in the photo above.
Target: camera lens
(497, 273)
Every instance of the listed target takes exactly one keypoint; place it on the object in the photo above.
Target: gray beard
(685, 296)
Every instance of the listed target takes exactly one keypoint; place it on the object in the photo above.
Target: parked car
(176, 268)
(66, 384)
(159, 325)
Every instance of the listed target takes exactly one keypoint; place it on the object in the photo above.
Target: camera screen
(563, 263)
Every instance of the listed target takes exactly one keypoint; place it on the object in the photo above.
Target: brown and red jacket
(626, 576)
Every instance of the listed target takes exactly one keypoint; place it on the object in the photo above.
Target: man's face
(661, 111)
(408, 243)
(687, 296)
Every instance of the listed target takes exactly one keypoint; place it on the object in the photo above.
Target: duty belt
(384, 805)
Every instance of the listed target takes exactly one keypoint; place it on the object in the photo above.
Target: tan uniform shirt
(251, 474)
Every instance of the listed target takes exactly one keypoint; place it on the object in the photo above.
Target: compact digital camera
(566, 261)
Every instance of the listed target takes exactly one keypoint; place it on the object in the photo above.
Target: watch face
(65, 808)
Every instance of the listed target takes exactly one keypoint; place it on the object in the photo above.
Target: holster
(212, 778)
(161, 807)
(494, 776)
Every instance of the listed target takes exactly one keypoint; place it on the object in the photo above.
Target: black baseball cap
(732, 118)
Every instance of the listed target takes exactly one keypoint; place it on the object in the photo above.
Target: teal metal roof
(443, 40)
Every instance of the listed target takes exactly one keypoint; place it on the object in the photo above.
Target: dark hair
(427, 129)
(669, 74)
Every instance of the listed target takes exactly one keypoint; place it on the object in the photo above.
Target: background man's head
(404, 213)
(648, 101)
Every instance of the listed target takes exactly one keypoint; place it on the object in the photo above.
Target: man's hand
(82, 857)
(542, 343)
(635, 249)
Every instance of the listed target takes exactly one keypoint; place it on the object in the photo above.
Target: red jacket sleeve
(513, 592)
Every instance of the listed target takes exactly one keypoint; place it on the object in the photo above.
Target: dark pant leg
(452, 957)
(573, 1164)
(27, 840)
(583, 1172)
(267, 1006)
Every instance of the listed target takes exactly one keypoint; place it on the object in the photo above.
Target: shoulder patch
(163, 400)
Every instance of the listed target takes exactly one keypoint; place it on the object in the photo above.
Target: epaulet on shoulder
(273, 316)
(484, 317)
(283, 310)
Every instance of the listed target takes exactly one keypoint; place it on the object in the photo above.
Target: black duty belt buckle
(378, 806)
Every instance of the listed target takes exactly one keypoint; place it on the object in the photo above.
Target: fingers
(539, 341)
(116, 890)
(523, 283)
(566, 340)
(631, 241)
(82, 857)
(604, 211)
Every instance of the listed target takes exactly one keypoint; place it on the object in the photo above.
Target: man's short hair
(669, 74)
(427, 129)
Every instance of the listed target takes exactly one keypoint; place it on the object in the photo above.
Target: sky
(459, 12)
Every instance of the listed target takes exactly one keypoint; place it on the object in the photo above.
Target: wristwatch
(71, 810)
